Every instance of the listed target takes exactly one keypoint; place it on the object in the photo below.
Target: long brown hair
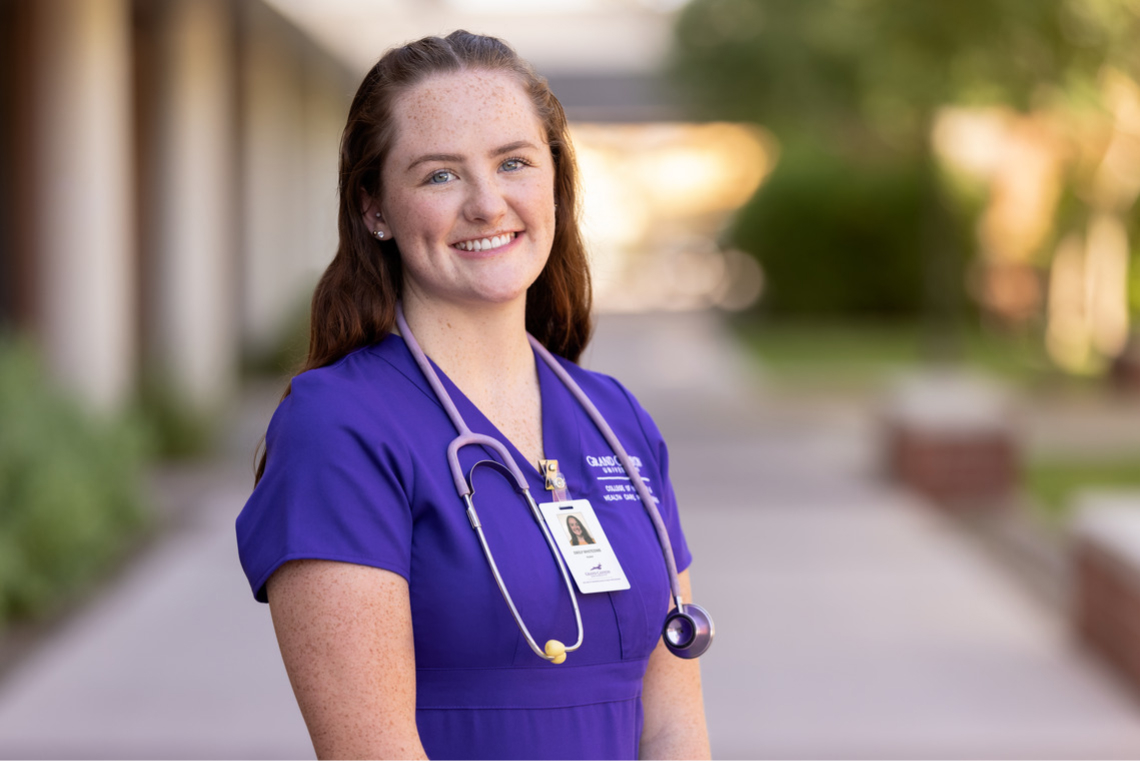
(354, 304)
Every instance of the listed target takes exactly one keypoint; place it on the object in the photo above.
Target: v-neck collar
(560, 429)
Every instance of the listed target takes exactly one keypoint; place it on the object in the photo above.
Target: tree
(884, 66)
(864, 78)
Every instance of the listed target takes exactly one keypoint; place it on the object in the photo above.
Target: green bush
(284, 355)
(69, 489)
(837, 236)
(178, 430)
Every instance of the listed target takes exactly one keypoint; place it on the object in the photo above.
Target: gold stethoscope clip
(554, 479)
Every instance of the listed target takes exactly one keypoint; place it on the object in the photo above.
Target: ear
(374, 218)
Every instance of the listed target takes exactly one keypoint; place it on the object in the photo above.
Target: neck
(484, 350)
(478, 347)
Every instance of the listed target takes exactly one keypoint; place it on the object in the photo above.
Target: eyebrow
(445, 157)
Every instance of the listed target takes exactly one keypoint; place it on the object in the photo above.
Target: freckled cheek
(535, 210)
(429, 220)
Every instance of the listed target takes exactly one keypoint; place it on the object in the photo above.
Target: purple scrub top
(357, 472)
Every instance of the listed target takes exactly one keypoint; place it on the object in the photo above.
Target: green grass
(858, 354)
(861, 356)
(1052, 483)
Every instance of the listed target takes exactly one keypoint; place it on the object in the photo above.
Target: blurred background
(873, 264)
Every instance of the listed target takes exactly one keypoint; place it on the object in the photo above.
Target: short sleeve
(668, 499)
(333, 488)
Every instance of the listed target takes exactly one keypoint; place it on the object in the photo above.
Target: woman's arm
(345, 633)
(674, 708)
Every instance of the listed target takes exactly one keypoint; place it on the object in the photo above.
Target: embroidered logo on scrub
(616, 484)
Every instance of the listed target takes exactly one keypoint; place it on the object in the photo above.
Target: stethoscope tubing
(473, 518)
(626, 463)
(464, 485)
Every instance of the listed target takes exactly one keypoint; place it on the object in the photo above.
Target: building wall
(169, 176)
(295, 99)
(82, 196)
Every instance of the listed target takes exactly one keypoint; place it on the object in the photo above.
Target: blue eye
(513, 165)
(440, 177)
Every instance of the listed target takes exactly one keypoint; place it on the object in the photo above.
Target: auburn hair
(354, 304)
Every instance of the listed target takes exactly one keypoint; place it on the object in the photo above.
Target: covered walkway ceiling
(561, 37)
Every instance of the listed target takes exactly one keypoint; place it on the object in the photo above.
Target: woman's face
(575, 526)
(468, 190)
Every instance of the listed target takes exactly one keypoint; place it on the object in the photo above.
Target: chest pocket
(633, 624)
(639, 610)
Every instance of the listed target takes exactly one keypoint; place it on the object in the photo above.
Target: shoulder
(616, 402)
(340, 473)
(370, 386)
(596, 385)
(355, 375)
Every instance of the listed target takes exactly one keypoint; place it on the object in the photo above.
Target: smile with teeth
(486, 244)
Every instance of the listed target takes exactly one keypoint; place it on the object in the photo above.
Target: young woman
(578, 533)
(458, 234)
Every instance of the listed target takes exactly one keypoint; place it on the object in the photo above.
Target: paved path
(852, 621)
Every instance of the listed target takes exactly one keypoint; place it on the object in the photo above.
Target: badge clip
(555, 482)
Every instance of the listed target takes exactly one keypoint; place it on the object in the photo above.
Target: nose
(485, 201)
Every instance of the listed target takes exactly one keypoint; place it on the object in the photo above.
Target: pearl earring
(379, 234)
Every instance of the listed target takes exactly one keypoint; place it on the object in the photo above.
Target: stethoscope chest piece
(688, 631)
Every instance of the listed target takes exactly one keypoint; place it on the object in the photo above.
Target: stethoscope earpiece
(688, 631)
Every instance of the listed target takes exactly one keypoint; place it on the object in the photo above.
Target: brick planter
(956, 470)
(950, 437)
(1106, 559)
(1125, 369)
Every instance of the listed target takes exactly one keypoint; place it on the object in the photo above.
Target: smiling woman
(403, 619)
(477, 221)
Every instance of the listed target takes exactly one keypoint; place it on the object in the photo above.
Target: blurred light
(1088, 317)
(655, 196)
(613, 219)
(1020, 158)
(1024, 190)
(1019, 161)
(1106, 262)
(1011, 290)
(971, 140)
(1088, 296)
(1066, 333)
(700, 169)
(743, 283)
(1116, 182)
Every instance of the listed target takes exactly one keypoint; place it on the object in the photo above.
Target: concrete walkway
(852, 621)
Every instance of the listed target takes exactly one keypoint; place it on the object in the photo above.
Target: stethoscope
(688, 629)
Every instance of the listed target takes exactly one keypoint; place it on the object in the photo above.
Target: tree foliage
(830, 66)
(853, 86)
(862, 261)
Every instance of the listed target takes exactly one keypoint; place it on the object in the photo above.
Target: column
(83, 196)
(193, 290)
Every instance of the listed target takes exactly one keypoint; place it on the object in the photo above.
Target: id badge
(584, 546)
